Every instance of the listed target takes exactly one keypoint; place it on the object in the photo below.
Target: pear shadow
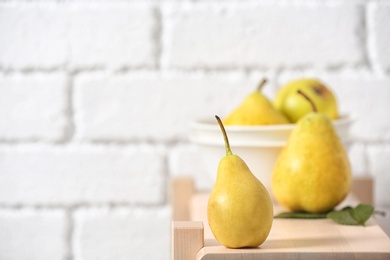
(285, 244)
(214, 243)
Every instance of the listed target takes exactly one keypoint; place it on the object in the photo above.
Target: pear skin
(256, 109)
(240, 210)
(312, 172)
(294, 106)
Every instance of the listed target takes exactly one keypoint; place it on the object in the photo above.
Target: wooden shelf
(288, 239)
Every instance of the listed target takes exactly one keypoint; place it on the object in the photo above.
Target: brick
(378, 155)
(44, 175)
(154, 106)
(367, 99)
(258, 35)
(33, 107)
(379, 26)
(113, 35)
(34, 235)
(141, 233)
(88, 35)
(362, 95)
(33, 35)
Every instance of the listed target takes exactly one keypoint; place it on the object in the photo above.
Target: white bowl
(258, 146)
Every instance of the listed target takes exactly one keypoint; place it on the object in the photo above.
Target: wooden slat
(187, 239)
(309, 239)
(181, 191)
(363, 189)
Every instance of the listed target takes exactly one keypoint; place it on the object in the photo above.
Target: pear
(256, 109)
(294, 106)
(312, 173)
(240, 210)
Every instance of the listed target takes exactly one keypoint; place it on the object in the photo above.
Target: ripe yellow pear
(312, 172)
(240, 210)
(294, 106)
(256, 109)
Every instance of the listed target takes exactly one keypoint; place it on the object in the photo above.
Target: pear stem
(227, 145)
(261, 84)
(313, 106)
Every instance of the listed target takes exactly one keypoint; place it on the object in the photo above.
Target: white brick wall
(379, 25)
(133, 233)
(33, 35)
(151, 106)
(130, 39)
(96, 97)
(33, 107)
(48, 35)
(33, 234)
(252, 35)
(78, 174)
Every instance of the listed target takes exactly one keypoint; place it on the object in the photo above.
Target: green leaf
(362, 213)
(352, 216)
(346, 216)
(343, 217)
(304, 215)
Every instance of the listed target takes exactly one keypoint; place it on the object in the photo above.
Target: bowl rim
(207, 124)
(270, 144)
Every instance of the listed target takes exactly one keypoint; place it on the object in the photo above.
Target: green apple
(294, 106)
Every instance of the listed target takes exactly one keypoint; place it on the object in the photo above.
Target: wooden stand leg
(187, 239)
(182, 189)
(363, 189)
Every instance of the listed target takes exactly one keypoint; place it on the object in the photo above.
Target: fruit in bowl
(256, 109)
(258, 131)
(294, 106)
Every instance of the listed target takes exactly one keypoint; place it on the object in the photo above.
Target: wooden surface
(295, 238)
(309, 239)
